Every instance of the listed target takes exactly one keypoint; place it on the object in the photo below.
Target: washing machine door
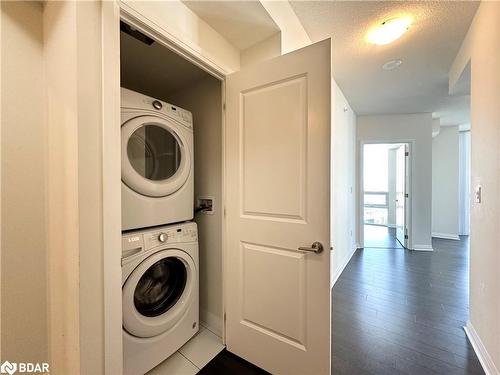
(156, 158)
(158, 292)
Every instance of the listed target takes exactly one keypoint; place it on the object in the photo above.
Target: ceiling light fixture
(393, 64)
(389, 30)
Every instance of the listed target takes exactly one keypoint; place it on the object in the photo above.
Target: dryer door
(156, 158)
(158, 293)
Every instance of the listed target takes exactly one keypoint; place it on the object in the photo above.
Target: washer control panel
(170, 235)
(139, 241)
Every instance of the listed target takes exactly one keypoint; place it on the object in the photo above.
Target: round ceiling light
(393, 64)
(389, 30)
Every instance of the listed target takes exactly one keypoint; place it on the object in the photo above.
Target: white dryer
(160, 294)
(157, 162)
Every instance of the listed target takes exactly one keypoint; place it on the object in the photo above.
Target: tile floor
(193, 356)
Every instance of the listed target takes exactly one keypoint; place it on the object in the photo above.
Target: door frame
(111, 49)
(409, 187)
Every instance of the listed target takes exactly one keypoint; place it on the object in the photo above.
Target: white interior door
(401, 194)
(277, 200)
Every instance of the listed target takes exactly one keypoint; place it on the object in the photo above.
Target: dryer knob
(157, 104)
(162, 237)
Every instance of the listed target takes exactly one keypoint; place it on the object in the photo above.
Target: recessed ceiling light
(393, 64)
(389, 30)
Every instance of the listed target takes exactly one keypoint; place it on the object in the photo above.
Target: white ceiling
(428, 49)
(241, 23)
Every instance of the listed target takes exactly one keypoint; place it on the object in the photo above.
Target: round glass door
(160, 287)
(156, 157)
(154, 152)
(158, 292)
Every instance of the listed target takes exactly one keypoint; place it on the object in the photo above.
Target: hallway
(381, 237)
(401, 312)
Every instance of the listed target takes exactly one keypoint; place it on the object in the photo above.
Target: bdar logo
(8, 368)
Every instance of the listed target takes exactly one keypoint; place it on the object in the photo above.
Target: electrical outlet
(209, 203)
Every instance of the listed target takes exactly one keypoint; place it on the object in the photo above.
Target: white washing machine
(160, 294)
(157, 162)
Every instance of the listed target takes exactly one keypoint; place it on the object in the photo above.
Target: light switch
(477, 194)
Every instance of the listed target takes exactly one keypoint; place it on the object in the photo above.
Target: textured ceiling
(241, 23)
(428, 49)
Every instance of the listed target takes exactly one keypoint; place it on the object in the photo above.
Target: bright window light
(376, 168)
(389, 30)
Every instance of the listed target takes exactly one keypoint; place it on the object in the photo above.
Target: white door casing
(278, 199)
(401, 194)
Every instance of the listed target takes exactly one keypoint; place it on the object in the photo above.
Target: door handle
(316, 247)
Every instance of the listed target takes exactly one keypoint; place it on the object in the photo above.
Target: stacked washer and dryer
(159, 258)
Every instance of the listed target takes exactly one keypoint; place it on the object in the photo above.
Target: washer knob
(157, 104)
(162, 237)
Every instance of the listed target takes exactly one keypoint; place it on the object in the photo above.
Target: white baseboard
(338, 270)
(481, 352)
(423, 248)
(211, 321)
(446, 236)
(391, 225)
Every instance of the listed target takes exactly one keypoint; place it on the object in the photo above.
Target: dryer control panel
(134, 100)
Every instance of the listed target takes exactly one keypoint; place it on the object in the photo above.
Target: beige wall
(24, 165)
(404, 128)
(204, 100)
(343, 218)
(190, 31)
(445, 165)
(267, 49)
(52, 173)
(62, 194)
(481, 48)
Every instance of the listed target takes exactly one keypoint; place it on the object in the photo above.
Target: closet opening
(178, 86)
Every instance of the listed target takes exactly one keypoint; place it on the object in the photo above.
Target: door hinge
(406, 195)
(224, 317)
(406, 236)
(407, 153)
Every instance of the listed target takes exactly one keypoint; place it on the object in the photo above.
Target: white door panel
(278, 199)
(401, 177)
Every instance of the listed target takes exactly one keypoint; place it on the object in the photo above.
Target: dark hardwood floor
(395, 312)
(382, 237)
(401, 312)
(228, 363)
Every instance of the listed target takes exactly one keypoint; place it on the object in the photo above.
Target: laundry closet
(151, 69)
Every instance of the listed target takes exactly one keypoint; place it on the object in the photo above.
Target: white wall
(52, 188)
(264, 50)
(343, 220)
(24, 167)
(293, 34)
(404, 128)
(188, 30)
(204, 100)
(445, 200)
(481, 49)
